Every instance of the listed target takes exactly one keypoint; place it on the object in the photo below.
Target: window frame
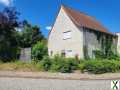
(66, 35)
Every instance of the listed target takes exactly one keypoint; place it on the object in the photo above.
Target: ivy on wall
(106, 41)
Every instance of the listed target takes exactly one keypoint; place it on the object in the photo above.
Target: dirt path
(69, 76)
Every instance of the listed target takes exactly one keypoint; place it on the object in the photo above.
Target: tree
(30, 35)
(36, 35)
(8, 42)
(26, 35)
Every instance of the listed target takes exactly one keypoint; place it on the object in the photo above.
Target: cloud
(48, 27)
(6, 2)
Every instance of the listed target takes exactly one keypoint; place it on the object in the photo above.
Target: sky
(43, 12)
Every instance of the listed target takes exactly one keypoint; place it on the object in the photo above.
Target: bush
(39, 50)
(69, 66)
(100, 66)
(44, 64)
(57, 64)
(8, 54)
(64, 65)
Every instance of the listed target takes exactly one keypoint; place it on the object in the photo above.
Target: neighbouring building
(77, 34)
(25, 55)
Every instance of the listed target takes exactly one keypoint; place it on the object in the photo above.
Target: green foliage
(45, 64)
(36, 35)
(61, 64)
(58, 64)
(100, 55)
(69, 65)
(100, 66)
(30, 35)
(9, 49)
(39, 50)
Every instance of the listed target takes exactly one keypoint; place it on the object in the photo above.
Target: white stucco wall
(56, 42)
(118, 44)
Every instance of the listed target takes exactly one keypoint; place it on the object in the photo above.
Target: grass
(18, 66)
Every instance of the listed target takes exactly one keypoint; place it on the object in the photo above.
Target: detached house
(77, 34)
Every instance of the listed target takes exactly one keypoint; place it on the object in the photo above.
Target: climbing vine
(106, 42)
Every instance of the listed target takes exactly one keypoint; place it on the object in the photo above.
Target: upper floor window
(67, 35)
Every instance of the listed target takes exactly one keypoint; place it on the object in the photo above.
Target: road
(52, 84)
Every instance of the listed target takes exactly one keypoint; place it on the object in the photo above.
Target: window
(69, 53)
(66, 35)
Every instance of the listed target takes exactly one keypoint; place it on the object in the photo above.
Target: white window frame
(67, 35)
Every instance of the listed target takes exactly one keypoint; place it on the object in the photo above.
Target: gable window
(67, 35)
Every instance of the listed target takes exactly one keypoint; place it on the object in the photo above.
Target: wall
(25, 55)
(94, 40)
(118, 45)
(91, 43)
(56, 43)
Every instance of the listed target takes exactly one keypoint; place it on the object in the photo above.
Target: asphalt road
(52, 84)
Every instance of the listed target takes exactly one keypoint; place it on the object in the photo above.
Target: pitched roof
(83, 20)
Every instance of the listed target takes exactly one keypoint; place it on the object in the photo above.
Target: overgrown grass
(18, 66)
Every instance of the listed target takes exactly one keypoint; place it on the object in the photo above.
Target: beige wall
(118, 46)
(56, 42)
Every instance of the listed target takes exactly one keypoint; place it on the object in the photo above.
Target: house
(118, 44)
(76, 34)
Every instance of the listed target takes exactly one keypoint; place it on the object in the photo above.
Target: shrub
(44, 64)
(64, 65)
(39, 50)
(8, 54)
(100, 66)
(57, 63)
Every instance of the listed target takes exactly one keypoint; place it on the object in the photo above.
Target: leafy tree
(30, 35)
(36, 35)
(8, 41)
